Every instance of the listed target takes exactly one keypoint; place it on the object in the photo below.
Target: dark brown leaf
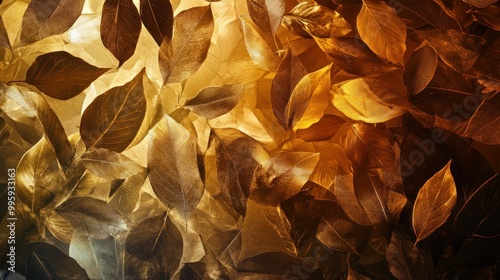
(407, 261)
(267, 15)
(92, 216)
(113, 119)
(489, 16)
(180, 58)
(158, 18)
(173, 166)
(480, 3)
(421, 14)
(434, 203)
(61, 75)
(475, 228)
(338, 232)
(120, 28)
(153, 248)
(420, 69)
(212, 102)
(47, 262)
(45, 18)
(310, 19)
(235, 159)
(484, 123)
(288, 76)
(4, 38)
(382, 30)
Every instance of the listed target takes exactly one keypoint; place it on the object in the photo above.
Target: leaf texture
(120, 28)
(181, 57)
(175, 178)
(92, 216)
(4, 38)
(61, 75)
(110, 165)
(98, 257)
(420, 69)
(434, 203)
(153, 248)
(381, 29)
(482, 124)
(46, 18)
(212, 102)
(113, 119)
(158, 18)
(45, 262)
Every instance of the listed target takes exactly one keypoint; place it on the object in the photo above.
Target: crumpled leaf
(420, 69)
(174, 176)
(371, 100)
(39, 178)
(482, 125)
(382, 30)
(289, 74)
(110, 165)
(282, 177)
(212, 102)
(4, 38)
(113, 118)
(92, 216)
(98, 257)
(120, 28)
(46, 18)
(434, 203)
(46, 261)
(61, 75)
(310, 19)
(153, 249)
(181, 57)
(158, 18)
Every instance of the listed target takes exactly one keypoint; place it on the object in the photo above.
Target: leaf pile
(257, 139)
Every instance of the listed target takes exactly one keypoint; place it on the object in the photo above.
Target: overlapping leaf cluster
(258, 139)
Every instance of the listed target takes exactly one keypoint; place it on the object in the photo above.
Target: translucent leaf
(181, 57)
(61, 75)
(420, 69)
(98, 257)
(110, 165)
(92, 216)
(434, 203)
(46, 18)
(173, 166)
(153, 248)
(482, 125)
(39, 178)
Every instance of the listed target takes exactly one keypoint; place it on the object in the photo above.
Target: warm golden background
(258, 139)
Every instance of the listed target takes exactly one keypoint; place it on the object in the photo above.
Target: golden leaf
(382, 30)
(434, 203)
(420, 68)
